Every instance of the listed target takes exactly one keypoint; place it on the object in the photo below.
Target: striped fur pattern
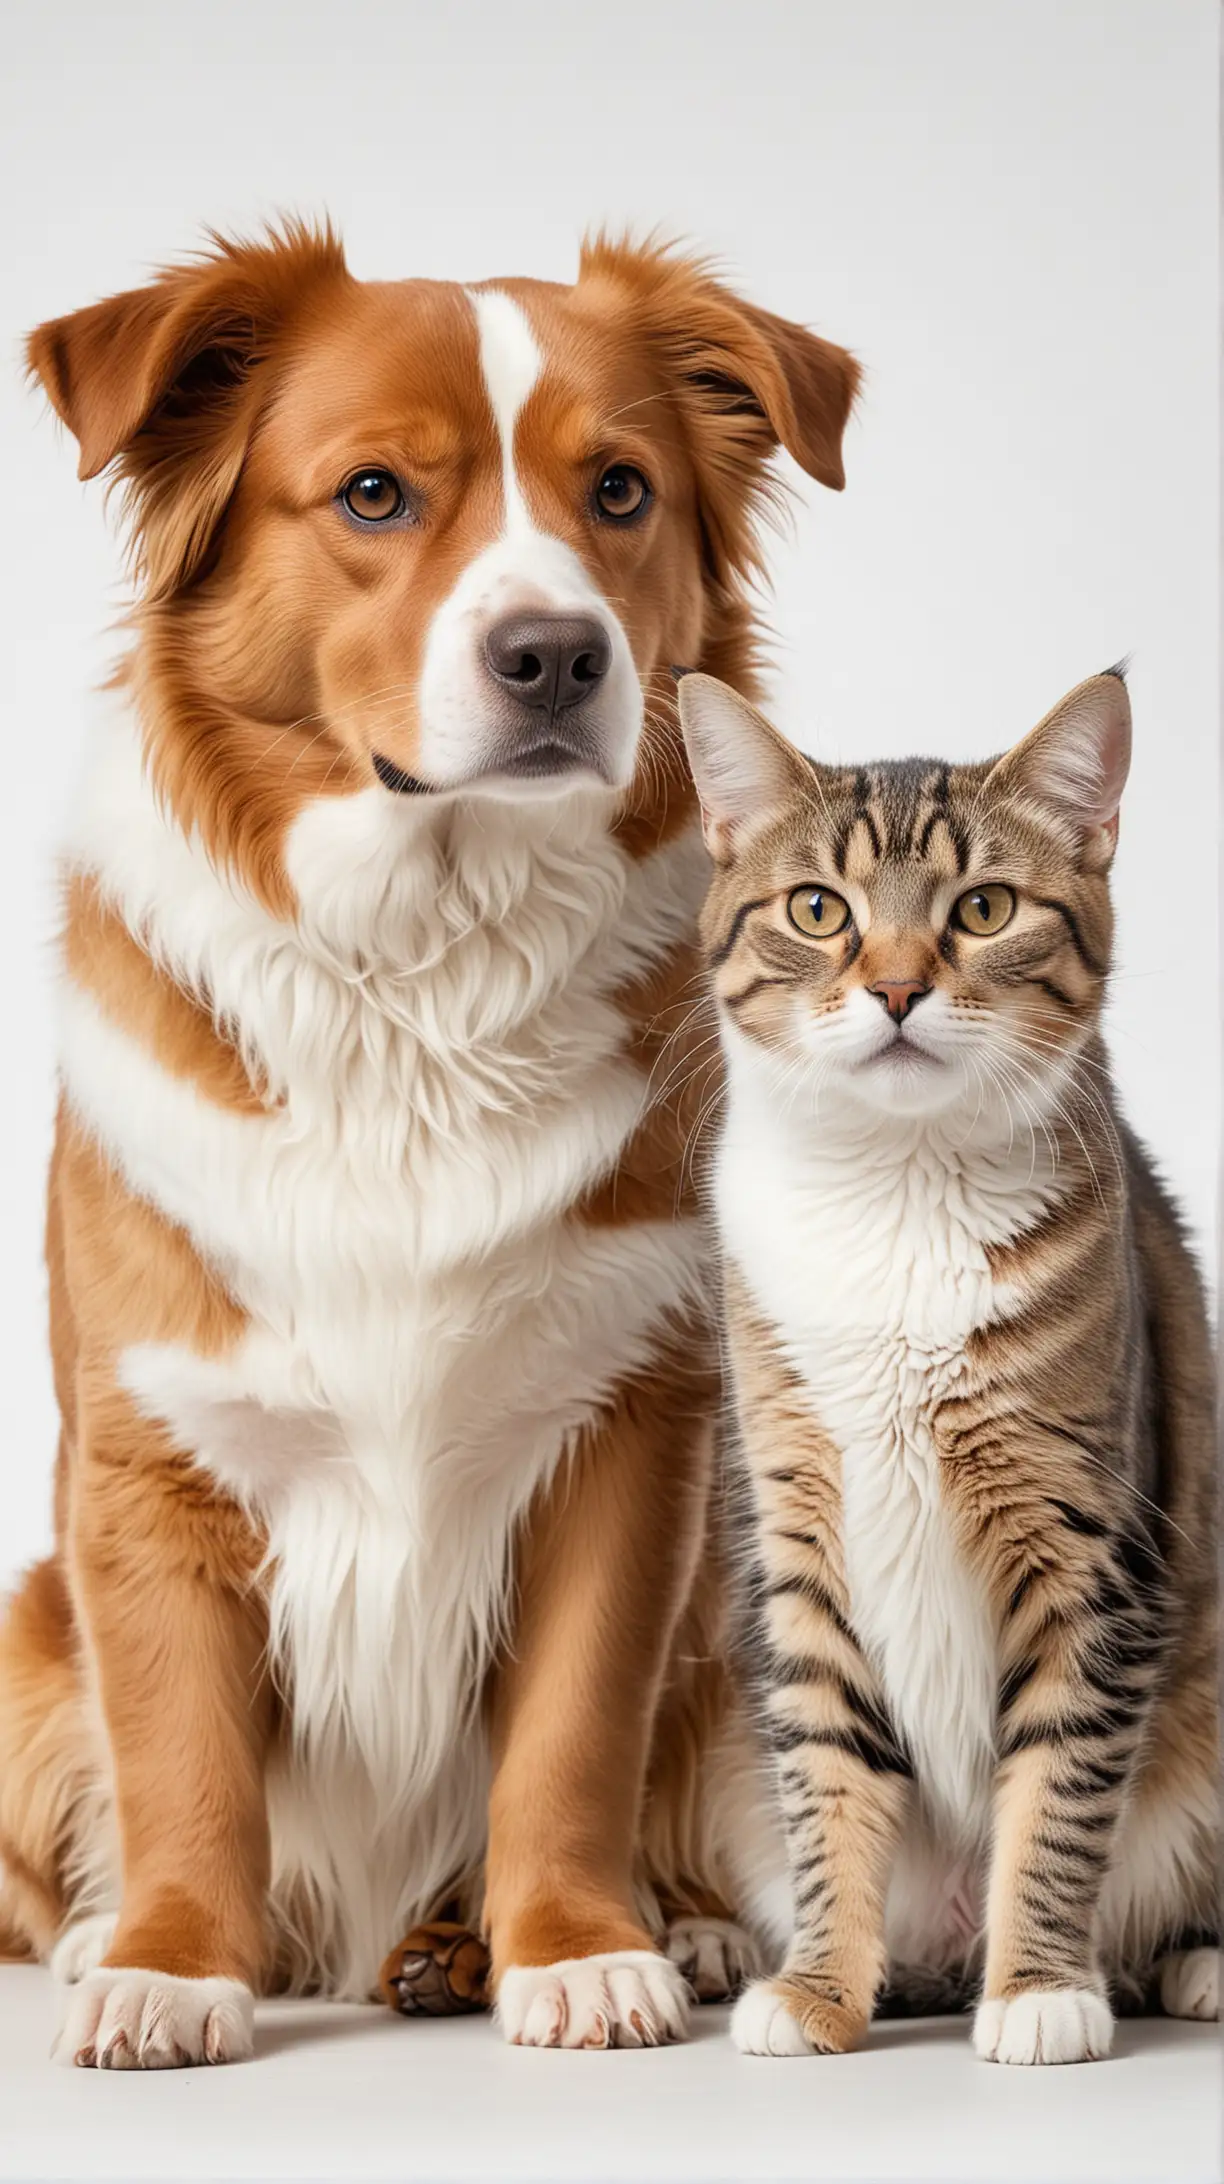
(974, 1386)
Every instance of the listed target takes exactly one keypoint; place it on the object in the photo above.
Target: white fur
(1065, 2026)
(510, 363)
(428, 1328)
(862, 1236)
(81, 1947)
(761, 2024)
(138, 2020)
(521, 570)
(935, 1912)
(627, 1998)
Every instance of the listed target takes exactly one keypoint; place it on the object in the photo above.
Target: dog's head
(429, 539)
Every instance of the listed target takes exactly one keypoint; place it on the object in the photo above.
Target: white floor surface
(358, 2094)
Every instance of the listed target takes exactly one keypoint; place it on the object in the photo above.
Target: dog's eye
(818, 912)
(984, 910)
(622, 492)
(373, 496)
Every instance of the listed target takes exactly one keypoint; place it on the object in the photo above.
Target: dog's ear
(747, 382)
(159, 381)
(760, 382)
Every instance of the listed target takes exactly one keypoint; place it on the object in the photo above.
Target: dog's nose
(899, 994)
(548, 661)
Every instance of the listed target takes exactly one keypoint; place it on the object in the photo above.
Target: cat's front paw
(786, 2017)
(1067, 2025)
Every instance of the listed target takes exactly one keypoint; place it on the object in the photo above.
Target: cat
(973, 1384)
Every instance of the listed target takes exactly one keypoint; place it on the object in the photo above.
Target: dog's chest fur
(429, 1325)
(868, 1254)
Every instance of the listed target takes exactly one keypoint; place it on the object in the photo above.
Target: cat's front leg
(844, 1795)
(844, 1783)
(1071, 1715)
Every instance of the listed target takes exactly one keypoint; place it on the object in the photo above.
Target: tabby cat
(973, 1378)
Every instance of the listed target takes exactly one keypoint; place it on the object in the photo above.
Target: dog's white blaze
(863, 1240)
(522, 570)
(428, 1327)
(511, 362)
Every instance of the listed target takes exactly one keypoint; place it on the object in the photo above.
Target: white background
(1006, 206)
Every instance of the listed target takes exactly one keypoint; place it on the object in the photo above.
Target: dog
(386, 1600)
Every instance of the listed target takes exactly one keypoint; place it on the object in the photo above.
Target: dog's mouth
(548, 760)
(394, 778)
(543, 759)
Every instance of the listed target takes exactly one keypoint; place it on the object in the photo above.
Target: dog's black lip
(393, 777)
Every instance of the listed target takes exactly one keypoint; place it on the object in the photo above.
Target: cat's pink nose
(899, 994)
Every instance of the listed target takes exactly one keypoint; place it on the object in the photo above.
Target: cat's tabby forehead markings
(911, 988)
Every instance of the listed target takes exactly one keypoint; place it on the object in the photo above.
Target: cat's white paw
(761, 2024)
(628, 1998)
(1190, 1983)
(1068, 2025)
(131, 2020)
(81, 1947)
(715, 1956)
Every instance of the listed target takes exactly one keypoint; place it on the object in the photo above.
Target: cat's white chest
(875, 1272)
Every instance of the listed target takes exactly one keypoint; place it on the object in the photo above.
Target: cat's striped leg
(844, 1778)
(1072, 1713)
(844, 1783)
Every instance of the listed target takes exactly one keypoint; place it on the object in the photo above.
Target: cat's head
(911, 935)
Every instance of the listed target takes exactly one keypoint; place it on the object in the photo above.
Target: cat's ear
(1075, 762)
(744, 770)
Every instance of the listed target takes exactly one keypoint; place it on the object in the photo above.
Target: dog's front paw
(131, 2020)
(715, 1956)
(1190, 1983)
(628, 1998)
(1066, 2025)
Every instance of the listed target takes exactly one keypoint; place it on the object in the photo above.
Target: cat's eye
(818, 912)
(373, 496)
(984, 910)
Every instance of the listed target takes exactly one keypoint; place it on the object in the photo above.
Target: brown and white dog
(384, 1580)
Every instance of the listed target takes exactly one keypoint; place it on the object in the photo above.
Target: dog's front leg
(603, 1571)
(174, 1643)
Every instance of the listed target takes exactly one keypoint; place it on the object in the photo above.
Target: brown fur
(274, 650)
